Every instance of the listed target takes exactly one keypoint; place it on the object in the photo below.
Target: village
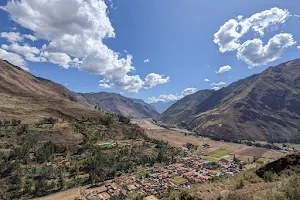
(152, 182)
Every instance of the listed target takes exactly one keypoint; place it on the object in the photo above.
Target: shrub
(252, 178)
(239, 196)
(289, 189)
(240, 184)
(270, 176)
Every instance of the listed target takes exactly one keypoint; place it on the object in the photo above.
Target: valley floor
(216, 150)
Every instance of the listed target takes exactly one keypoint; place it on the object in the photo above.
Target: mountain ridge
(264, 106)
(27, 96)
(176, 113)
(120, 105)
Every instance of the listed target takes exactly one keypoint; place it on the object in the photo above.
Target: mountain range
(118, 104)
(263, 106)
(27, 97)
(161, 106)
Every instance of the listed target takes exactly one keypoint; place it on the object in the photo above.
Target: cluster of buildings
(159, 180)
(61, 161)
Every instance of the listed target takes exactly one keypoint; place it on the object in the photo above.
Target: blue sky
(175, 35)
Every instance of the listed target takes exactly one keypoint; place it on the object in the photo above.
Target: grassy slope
(29, 98)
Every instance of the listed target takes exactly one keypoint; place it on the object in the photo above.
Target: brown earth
(29, 98)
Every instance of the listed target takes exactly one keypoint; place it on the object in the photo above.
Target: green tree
(23, 129)
(61, 181)
(28, 186)
(41, 187)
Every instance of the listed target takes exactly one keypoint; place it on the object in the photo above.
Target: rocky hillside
(185, 107)
(120, 105)
(27, 97)
(261, 107)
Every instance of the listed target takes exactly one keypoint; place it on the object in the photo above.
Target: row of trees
(12, 122)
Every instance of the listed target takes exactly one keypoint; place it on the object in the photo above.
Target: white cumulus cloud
(104, 81)
(254, 53)
(30, 53)
(172, 97)
(74, 31)
(206, 80)
(13, 58)
(30, 37)
(228, 36)
(218, 84)
(223, 69)
(165, 98)
(188, 91)
(11, 37)
(265, 19)
(14, 37)
(215, 88)
(61, 59)
(146, 61)
(105, 85)
(153, 79)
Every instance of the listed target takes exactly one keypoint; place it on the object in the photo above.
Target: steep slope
(185, 107)
(118, 104)
(27, 97)
(261, 107)
(140, 101)
(162, 106)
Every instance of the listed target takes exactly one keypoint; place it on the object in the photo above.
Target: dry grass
(25, 97)
(65, 195)
(253, 151)
(213, 191)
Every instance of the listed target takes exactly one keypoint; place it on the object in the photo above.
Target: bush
(239, 196)
(289, 189)
(252, 178)
(270, 176)
(240, 184)
(123, 119)
(184, 195)
(23, 129)
(49, 120)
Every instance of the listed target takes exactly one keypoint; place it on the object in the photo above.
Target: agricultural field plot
(70, 194)
(216, 150)
(273, 155)
(253, 151)
(146, 124)
(220, 153)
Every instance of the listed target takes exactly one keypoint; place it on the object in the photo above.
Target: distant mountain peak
(118, 104)
(161, 106)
